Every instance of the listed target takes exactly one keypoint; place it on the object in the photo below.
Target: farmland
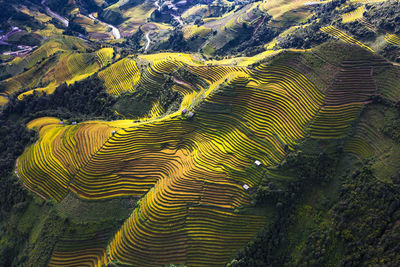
(217, 133)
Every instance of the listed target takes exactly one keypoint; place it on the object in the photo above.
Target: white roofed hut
(257, 163)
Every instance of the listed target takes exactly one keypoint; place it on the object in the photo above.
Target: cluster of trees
(139, 102)
(14, 138)
(304, 38)
(271, 246)
(133, 42)
(74, 27)
(307, 37)
(309, 169)
(61, 7)
(176, 42)
(80, 101)
(391, 52)
(364, 224)
(384, 16)
(366, 219)
(362, 228)
(391, 126)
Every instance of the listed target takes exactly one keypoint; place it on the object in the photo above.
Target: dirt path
(54, 14)
(115, 31)
(148, 41)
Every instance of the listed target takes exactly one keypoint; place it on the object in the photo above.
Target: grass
(83, 211)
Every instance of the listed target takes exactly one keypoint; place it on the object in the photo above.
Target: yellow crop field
(104, 56)
(49, 89)
(171, 162)
(35, 13)
(70, 68)
(158, 157)
(134, 17)
(194, 30)
(277, 8)
(349, 93)
(3, 100)
(367, 1)
(85, 250)
(392, 39)
(353, 15)
(195, 10)
(179, 164)
(26, 79)
(331, 30)
(121, 76)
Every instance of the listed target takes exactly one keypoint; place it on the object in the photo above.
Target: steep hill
(199, 133)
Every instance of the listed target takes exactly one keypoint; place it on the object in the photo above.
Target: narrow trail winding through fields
(54, 14)
(148, 41)
(115, 31)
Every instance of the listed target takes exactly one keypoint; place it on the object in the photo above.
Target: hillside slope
(209, 133)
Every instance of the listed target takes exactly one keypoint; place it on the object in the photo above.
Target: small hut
(257, 163)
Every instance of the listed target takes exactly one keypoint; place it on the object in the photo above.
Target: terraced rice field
(368, 25)
(331, 30)
(392, 39)
(367, 1)
(24, 80)
(104, 56)
(353, 15)
(85, 250)
(189, 172)
(350, 92)
(134, 16)
(278, 8)
(35, 13)
(194, 30)
(95, 29)
(389, 84)
(69, 67)
(121, 76)
(248, 17)
(365, 143)
(200, 10)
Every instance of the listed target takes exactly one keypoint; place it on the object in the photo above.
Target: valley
(199, 133)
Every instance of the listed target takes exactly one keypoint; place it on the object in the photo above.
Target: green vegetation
(192, 133)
